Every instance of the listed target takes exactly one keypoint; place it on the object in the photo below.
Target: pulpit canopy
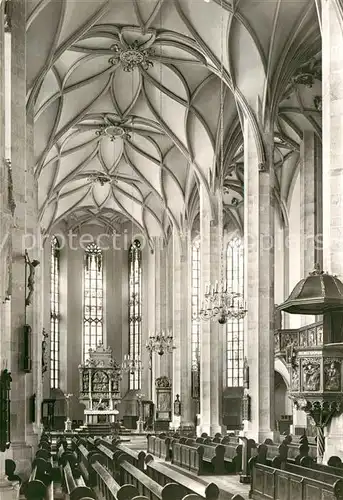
(316, 294)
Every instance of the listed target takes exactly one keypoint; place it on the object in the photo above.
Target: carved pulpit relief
(311, 374)
(332, 375)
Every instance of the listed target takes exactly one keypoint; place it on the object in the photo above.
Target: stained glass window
(195, 338)
(55, 314)
(234, 327)
(135, 310)
(93, 316)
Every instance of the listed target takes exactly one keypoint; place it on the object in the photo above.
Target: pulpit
(314, 355)
(100, 379)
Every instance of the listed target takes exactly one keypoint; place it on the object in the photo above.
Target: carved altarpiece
(100, 379)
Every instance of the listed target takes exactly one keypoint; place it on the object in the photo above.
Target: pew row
(107, 488)
(163, 475)
(148, 487)
(74, 484)
(278, 484)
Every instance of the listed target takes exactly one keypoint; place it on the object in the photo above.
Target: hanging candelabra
(221, 304)
(161, 343)
(131, 364)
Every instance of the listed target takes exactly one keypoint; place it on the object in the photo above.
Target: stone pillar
(259, 286)
(148, 274)
(159, 307)
(332, 90)
(181, 329)
(310, 202)
(211, 367)
(23, 225)
(311, 207)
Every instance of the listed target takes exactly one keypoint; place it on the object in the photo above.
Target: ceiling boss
(132, 56)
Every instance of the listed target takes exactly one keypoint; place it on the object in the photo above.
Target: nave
(174, 467)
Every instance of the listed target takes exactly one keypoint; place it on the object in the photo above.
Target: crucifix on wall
(30, 271)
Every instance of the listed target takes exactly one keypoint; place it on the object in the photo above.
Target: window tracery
(234, 327)
(195, 337)
(135, 311)
(54, 313)
(93, 317)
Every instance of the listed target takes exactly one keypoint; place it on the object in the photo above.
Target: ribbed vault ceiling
(165, 116)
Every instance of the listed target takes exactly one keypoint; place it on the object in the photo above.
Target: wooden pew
(322, 475)
(109, 458)
(39, 480)
(276, 484)
(44, 445)
(108, 488)
(83, 460)
(308, 462)
(74, 484)
(188, 457)
(129, 474)
(161, 446)
(137, 457)
(164, 475)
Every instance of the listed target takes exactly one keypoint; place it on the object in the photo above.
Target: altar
(106, 416)
(100, 379)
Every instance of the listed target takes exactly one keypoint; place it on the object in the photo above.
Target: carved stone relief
(295, 377)
(310, 374)
(332, 375)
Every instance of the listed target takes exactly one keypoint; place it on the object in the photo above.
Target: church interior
(171, 249)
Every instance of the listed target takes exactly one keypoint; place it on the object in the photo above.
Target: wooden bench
(213, 458)
(322, 475)
(74, 484)
(44, 445)
(164, 475)
(108, 488)
(137, 457)
(146, 486)
(109, 458)
(188, 457)
(83, 460)
(278, 484)
(39, 481)
(308, 462)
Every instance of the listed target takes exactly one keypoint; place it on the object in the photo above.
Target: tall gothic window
(55, 314)
(195, 347)
(234, 327)
(135, 310)
(93, 313)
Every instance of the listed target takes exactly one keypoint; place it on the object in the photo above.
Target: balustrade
(306, 336)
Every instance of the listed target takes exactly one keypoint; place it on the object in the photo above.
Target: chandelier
(221, 304)
(113, 132)
(131, 364)
(131, 57)
(160, 343)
